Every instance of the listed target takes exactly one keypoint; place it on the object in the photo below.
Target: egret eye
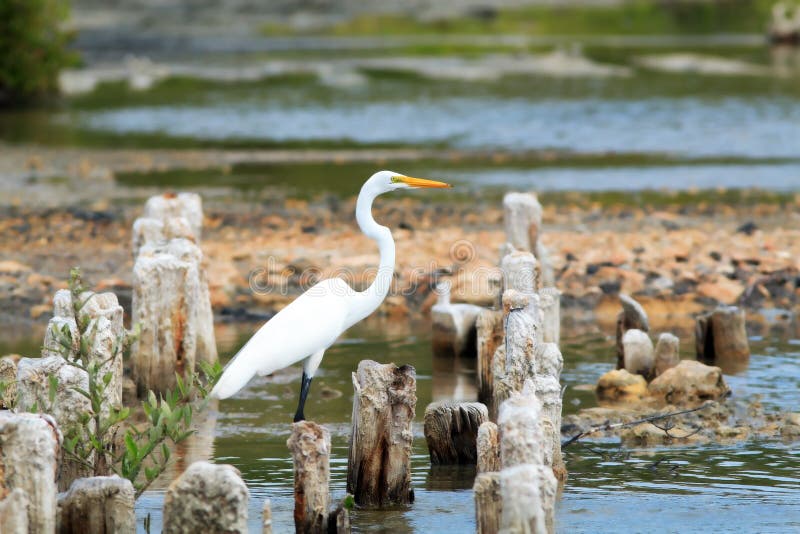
(396, 179)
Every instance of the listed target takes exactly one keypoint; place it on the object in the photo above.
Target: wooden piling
(523, 218)
(529, 493)
(519, 272)
(550, 306)
(521, 435)
(14, 512)
(721, 336)
(29, 451)
(490, 335)
(310, 445)
(97, 505)
(451, 431)
(631, 316)
(488, 503)
(208, 498)
(339, 519)
(488, 445)
(266, 517)
(379, 459)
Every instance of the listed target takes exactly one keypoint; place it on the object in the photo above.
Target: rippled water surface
(749, 487)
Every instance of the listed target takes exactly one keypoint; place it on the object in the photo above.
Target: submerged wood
(30, 447)
(488, 503)
(488, 445)
(631, 316)
(310, 445)
(208, 498)
(489, 326)
(523, 218)
(339, 520)
(379, 459)
(451, 431)
(97, 505)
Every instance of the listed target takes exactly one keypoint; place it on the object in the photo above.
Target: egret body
(304, 329)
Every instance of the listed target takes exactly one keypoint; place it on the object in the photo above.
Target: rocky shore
(675, 260)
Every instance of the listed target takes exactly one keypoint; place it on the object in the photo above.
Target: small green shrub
(33, 48)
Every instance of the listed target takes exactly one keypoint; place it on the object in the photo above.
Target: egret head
(385, 181)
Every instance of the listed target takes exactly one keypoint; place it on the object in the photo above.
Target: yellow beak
(421, 182)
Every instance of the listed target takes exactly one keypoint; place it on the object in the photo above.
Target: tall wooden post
(310, 445)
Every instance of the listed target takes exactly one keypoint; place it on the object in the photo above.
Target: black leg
(304, 387)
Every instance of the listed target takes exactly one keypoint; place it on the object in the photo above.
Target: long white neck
(365, 302)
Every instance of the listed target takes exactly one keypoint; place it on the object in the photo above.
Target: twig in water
(611, 426)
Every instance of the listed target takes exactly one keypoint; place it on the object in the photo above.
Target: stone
(790, 429)
(619, 385)
(689, 382)
(638, 352)
(206, 498)
(667, 352)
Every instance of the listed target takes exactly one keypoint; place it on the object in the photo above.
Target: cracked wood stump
(97, 505)
(379, 459)
(310, 445)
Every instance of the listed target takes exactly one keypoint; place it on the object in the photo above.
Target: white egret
(304, 329)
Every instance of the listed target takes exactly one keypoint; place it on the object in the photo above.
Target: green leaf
(107, 378)
(165, 452)
(131, 447)
(150, 473)
(52, 387)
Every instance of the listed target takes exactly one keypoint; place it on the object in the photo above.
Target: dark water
(752, 486)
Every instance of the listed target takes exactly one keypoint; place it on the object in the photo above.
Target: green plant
(143, 452)
(33, 48)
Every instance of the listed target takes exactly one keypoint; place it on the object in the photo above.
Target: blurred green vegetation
(627, 18)
(33, 48)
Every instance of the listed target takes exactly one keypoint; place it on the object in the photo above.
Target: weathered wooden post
(667, 352)
(488, 503)
(548, 391)
(550, 306)
(379, 459)
(8, 379)
(489, 326)
(488, 445)
(206, 498)
(528, 492)
(523, 218)
(97, 505)
(170, 293)
(631, 316)
(29, 451)
(638, 353)
(514, 360)
(453, 325)
(266, 517)
(14, 512)
(721, 336)
(451, 431)
(310, 445)
(339, 519)
(528, 485)
(519, 271)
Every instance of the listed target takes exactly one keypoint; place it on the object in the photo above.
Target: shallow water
(754, 486)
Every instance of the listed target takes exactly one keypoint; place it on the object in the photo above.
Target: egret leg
(305, 385)
(310, 367)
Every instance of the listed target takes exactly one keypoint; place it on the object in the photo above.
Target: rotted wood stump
(721, 336)
(523, 218)
(488, 503)
(97, 505)
(451, 431)
(631, 316)
(310, 445)
(379, 459)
